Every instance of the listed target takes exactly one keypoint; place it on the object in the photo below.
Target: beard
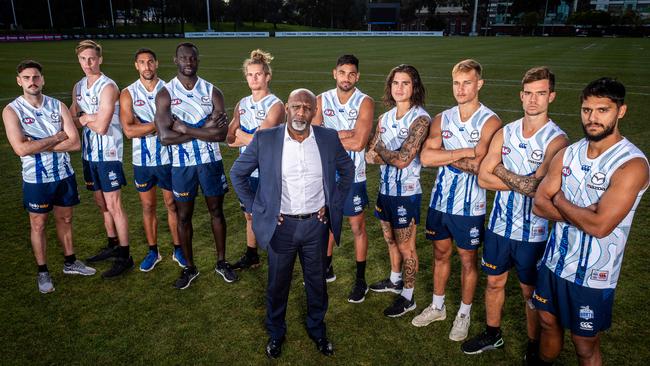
(608, 130)
(298, 125)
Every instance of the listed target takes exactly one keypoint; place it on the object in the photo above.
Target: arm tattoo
(526, 185)
(410, 266)
(467, 165)
(411, 145)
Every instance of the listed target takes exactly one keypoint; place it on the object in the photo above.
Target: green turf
(140, 319)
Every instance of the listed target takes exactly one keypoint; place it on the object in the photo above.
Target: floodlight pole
(110, 4)
(83, 17)
(207, 3)
(544, 21)
(474, 20)
(49, 10)
(13, 10)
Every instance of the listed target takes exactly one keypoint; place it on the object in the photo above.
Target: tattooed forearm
(371, 155)
(467, 165)
(410, 268)
(526, 185)
(410, 147)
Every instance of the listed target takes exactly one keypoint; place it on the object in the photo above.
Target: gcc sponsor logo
(328, 112)
(505, 150)
(566, 171)
(522, 145)
(447, 134)
(138, 103)
(176, 101)
(586, 326)
(28, 120)
(190, 95)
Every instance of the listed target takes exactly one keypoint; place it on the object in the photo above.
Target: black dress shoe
(274, 347)
(324, 346)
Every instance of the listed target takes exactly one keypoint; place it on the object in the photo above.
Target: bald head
(300, 109)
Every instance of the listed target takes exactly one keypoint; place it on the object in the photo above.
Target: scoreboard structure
(386, 14)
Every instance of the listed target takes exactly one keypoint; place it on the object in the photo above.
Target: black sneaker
(399, 307)
(120, 267)
(188, 274)
(358, 293)
(532, 353)
(330, 276)
(386, 285)
(247, 262)
(482, 342)
(225, 270)
(105, 253)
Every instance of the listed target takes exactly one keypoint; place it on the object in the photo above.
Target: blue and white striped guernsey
(393, 181)
(456, 192)
(98, 147)
(344, 117)
(512, 215)
(39, 123)
(193, 107)
(147, 150)
(573, 254)
(252, 114)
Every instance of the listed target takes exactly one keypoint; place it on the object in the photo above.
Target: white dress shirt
(302, 176)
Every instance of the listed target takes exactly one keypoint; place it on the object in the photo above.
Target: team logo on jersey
(151, 97)
(353, 113)
(479, 208)
(205, 99)
(261, 114)
(93, 100)
(566, 171)
(328, 112)
(597, 275)
(55, 117)
(39, 114)
(139, 103)
(474, 136)
(401, 211)
(585, 168)
(598, 179)
(242, 112)
(447, 134)
(176, 101)
(505, 150)
(539, 230)
(78, 97)
(537, 155)
(403, 132)
(190, 95)
(28, 120)
(522, 145)
(382, 129)
(586, 313)
(474, 232)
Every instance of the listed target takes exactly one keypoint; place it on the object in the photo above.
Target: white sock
(395, 276)
(438, 301)
(464, 309)
(407, 293)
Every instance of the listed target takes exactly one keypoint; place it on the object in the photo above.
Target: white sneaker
(460, 328)
(45, 284)
(78, 267)
(429, 315)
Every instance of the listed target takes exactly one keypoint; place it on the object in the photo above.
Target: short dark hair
(145, 50)
(189, 45)
(28, 64)
(537, 74)
(605, 88)
(419, 93)
(348, 60)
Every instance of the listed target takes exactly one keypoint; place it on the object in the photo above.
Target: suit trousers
(307, 239)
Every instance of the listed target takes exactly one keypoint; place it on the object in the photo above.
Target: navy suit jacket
(265, 153)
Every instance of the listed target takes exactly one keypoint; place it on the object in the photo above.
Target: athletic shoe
(399, 307)
(105, 253)
(330, 276)
(482, 342)
(78, 267)
(150, 261)
(386, 285)
(188, 274)
(358, 293)
(460, 328)
(179, 258)
(532, 353)
(225, 270)
(429, 315)
(120, 267)
(45, 284)
(247, 262)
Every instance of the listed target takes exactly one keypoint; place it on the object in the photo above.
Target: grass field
(141, 319)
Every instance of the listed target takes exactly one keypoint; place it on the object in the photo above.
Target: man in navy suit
(304, 176)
